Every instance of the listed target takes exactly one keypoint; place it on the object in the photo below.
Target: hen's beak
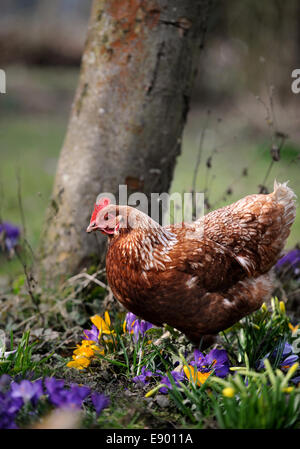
(91, 227)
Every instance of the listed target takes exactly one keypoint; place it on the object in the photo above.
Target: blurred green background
(242, 97)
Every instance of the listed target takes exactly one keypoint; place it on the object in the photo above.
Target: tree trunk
(127, 117)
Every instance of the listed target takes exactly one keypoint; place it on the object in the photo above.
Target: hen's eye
(106, 216)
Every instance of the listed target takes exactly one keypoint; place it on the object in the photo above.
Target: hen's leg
(206, 341)
(201, 341)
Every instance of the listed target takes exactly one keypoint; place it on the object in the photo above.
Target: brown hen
(202, 277)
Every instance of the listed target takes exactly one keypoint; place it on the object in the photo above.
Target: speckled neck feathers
(148, 250)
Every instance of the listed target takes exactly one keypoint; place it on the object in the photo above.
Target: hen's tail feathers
(285, 196)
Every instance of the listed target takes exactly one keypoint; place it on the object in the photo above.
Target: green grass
(34, 116)
(20, 361)
(30, 147)
(265, 402)
(256, 336)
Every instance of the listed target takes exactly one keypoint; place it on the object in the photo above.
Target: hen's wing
(212, 266)
(254, 229)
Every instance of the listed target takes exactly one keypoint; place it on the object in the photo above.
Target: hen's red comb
(102, 203)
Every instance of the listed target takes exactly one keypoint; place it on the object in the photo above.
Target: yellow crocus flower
(228, 392)
(282, 307)
(102, 324)
(79, 362)
(195, 376)
(107, 318)
(85, 351)
(293, 328)
(264, 307)
(288, 389)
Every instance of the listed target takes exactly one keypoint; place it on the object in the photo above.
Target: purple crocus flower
(75, 396)
(177, 377)
(130, 319)
(69, 398)
(216, 360)
(7, 421)
(55, 389)
(100, 402)
(144, 377)
(296, 380)
(11, 405)
(92, 334)
(11, 234)
(63, 397)
(9, 408)
(53, 386)
(291, 259)
(289, 361)
(138, 326)
(27, 391)
(80, 391)
(13, 399)
(288, 358)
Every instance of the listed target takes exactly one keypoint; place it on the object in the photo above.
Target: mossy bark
(127, 117)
